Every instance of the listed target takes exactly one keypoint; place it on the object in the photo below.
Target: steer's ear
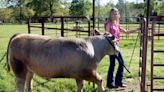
(97, 32)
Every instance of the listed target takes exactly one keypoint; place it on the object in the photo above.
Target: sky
(115, 1)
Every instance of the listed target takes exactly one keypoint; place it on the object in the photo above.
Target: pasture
(7, 83)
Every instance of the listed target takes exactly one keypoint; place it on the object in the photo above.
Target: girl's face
(114, 15)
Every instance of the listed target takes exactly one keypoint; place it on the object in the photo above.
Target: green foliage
(5, 14)
(18, 11)
(160, 8)
(80, 7)
(65, 7)
(21, 14)
(38, 6)
(27, 8)
(102, 11)
(129, 10)
(75, 7)
(87, 8)
(156, 7)
(139, 8)
(121, 7)
(52, 7)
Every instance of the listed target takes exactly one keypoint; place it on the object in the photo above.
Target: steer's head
(113, 48)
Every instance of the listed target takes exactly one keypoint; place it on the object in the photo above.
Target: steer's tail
(7, 52)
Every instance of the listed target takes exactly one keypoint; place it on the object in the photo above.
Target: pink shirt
(113, 29)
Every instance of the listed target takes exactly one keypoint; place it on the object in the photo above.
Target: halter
(110, 42)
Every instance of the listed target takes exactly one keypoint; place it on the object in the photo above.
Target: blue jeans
(120, 71)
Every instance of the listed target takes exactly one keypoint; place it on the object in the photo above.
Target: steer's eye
(113, 37)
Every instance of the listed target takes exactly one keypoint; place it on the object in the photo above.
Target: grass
(7, 83)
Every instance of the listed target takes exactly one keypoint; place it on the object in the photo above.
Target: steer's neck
(101, 47)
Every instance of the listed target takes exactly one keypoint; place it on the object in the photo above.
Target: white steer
(52, 57)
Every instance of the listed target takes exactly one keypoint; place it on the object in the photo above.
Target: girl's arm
(129, 31)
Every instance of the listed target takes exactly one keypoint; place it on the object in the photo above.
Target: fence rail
(62, 29)
(62, 23)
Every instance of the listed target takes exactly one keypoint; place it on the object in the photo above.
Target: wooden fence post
(28, 23)
(62, 26)
(42, 23)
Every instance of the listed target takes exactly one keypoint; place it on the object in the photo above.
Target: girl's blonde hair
(114, 10)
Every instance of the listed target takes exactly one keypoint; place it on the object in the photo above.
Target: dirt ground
(132, 86)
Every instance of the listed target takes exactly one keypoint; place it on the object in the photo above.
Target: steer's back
(52, 57)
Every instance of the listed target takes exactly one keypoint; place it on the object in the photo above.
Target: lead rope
(114, 49)
(127, 69)
(133, 50)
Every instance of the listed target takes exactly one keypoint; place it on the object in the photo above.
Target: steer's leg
(79, 85)
(20, 84)
(29, 77)
(96, 78)
(99, 83)
(20, 72)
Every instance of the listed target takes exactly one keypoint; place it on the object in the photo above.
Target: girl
(112, 27)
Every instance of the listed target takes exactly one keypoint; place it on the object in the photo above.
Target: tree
(38, 6)
(121, 7)
(45, 7)
(80, 7)
(87, 8)
(65, 4)
(5, 14)
(161, 8)
(25, 8)
(74, 6)
(157, 7)
(53, 7)
(103, 11)
(21, 12)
